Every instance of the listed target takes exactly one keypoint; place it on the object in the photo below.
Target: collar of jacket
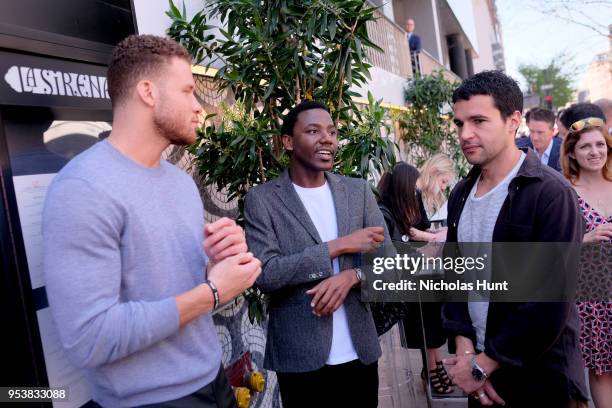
(284, 179)
(292, 201)
(529, 170)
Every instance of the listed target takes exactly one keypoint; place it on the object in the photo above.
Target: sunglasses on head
(581, 124)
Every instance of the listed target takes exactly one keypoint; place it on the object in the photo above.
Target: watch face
(477, 374)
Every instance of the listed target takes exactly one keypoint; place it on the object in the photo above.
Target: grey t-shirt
(120, 242)
(476, 224)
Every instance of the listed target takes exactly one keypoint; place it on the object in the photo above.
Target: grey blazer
(281, 234)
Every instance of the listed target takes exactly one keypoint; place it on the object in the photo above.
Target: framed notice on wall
(30, 192)
(39, 144)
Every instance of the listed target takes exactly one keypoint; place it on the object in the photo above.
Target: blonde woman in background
(437, 174)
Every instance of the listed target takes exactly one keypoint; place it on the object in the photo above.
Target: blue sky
(531, 37)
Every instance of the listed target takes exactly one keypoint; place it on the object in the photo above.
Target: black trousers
(217, 394)
(528, 388)
(473, 403)
(351, 384)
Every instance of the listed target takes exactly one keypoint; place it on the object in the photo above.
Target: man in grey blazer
(309, 228)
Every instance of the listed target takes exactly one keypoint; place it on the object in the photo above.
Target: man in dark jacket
(521, 354)
(541, 124)
(414, 44)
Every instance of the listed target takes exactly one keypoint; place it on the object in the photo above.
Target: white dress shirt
(546, 155)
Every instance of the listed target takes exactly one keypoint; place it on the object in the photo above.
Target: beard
(167, 122)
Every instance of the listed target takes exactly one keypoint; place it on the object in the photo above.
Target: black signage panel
(96, 21)
(35, 81)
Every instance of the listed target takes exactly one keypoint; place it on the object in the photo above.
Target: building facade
(597, 80)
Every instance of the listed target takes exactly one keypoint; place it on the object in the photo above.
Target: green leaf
(271, 54)
(174, 11)
(358, 48)
(270, 88)
(236, 140)
(332, 29)
(323, 24)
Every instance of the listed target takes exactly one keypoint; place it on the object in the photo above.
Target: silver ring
(481, 395)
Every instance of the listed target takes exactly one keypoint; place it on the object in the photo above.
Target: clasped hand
(329, 294)
(461, 375)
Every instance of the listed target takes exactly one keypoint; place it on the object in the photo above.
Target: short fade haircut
(291, 117)
(579, 111)
(506, 94)
(136, 57)
(541, 115)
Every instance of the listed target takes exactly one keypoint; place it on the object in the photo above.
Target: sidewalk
(400, 378)
(413, 388)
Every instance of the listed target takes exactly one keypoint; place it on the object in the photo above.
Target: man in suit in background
(309, 228)
(541, 124)
(414, 43)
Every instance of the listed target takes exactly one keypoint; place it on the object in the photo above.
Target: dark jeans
(473, 403)
(217, 394)
(351, 384)
(529, 388)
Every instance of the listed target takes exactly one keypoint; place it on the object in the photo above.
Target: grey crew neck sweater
(120, 242)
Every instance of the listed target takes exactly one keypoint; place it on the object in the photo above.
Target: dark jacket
(532, 339)
(414, 42)
(555, 152)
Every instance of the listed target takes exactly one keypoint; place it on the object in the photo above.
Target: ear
(146, 92)
(287, 142)
(514, 122)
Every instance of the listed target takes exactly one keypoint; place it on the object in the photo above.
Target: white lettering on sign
(48, 82)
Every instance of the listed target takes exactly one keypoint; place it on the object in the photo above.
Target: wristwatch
(478, 372)
(359, 273)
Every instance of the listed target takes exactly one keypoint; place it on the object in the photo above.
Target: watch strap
(478, 368)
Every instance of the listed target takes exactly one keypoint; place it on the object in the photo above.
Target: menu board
(30, 191)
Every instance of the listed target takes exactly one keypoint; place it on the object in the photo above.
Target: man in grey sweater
(132, 273)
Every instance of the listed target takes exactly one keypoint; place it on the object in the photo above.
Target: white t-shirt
(319, 204)
(476, 224)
